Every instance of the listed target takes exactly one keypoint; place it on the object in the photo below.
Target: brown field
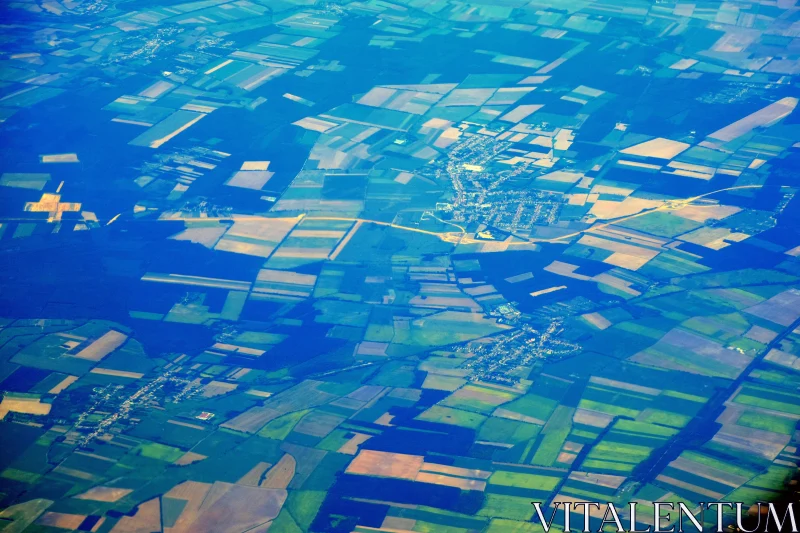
(627, 261)
(147, 518)
(659, 148)
(193, 493)
(280, 475)
(253, 477)
(566, 458)
(386, 464)
(351, 446)
(189, 458)
(61, 520)
(229, 508)
(103, 346)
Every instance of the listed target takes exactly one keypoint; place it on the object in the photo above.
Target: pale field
(66, 382)
(641, 389)
(605, 209)
(513, 415)
(104, 494)
(103, 346)
(520, 112)
(315, 124)
(217, 388)
(208, 237)
(783, 359)
(59, 158)
(763, 117)
(31, 406)
(255, 165)
(597, 320)
(702, 213)
(659, 148)
(592, 418)
(372, 348)
(548, 290)
(627, 261)
(565, 269)
(377, 96)
(117, 373)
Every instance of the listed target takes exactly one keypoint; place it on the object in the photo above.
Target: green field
(525, 481)
(767, 422)
(456, 417)
(513, 507)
